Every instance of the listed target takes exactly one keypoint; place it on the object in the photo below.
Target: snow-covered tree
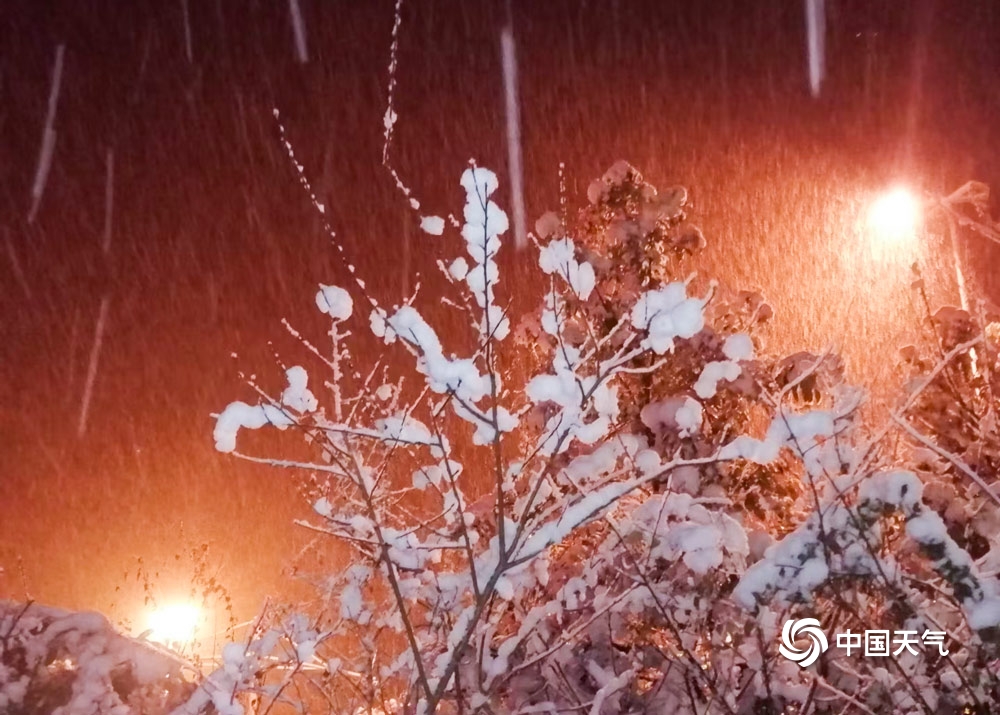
(612, 507)
(614, 503)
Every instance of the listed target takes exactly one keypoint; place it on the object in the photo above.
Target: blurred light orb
(175, 624)
(895, 216)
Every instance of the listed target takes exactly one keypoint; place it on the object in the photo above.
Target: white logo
(801, 629)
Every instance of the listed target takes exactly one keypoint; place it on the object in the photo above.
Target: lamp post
(897, 216)
(963, 296)
(968, 207)
(174, 625)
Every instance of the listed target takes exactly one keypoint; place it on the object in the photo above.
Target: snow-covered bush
(466, 494)
(953, 390)
(951, 422)
(610, 505)
(61, 663)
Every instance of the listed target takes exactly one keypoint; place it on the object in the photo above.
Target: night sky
(213, 241)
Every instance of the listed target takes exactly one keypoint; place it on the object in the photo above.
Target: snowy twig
(957, 462)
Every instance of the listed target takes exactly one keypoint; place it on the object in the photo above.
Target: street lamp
(974, 198)
(896, 217)
(174, 625)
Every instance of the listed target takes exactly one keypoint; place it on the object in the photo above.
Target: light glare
(175, 624)
(894, 216)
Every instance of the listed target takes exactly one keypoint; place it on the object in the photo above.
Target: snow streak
(109, 201)
(299, 29)
(95, 354)
(48, 137)
(513, 118)
(815, 31)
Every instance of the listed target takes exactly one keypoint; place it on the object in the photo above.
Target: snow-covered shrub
(466, 493)
(609, 506)
(62, 663)
(953, 390)
(713, 386)
(950, 418)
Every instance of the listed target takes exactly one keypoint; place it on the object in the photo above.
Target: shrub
(613, 504)
(613, 507)
(55, 661)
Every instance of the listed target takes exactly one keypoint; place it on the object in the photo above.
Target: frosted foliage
(667, 314)
(578, 398)
(323, 507)
(712, 375)
(896, 488)
(459, 269)
(688, 417)
(297, 395)
(67, 663)
(807, 433)
(792, 568)
(484, 224)
(689, 531)
(548, 224)
(681, 414)
(479, 182)
(754, 450)
(402, 428)
(554, 305)
(559, 257)
(379, 324)
(239, 415)
(433, 225)
(795, 567)
(444, 375)
(611, 505)
(335, 302)
(738, 347)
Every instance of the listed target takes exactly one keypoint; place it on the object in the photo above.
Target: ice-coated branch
(955, 461)
(569, 532)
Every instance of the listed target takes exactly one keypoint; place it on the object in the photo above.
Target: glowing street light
(895, 217)
(174, 625)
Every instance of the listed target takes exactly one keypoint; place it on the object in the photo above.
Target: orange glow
(895, 216)
(175, 624)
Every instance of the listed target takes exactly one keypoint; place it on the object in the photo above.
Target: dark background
(214, 241)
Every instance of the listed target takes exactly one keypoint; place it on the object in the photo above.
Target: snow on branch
(606, 504)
